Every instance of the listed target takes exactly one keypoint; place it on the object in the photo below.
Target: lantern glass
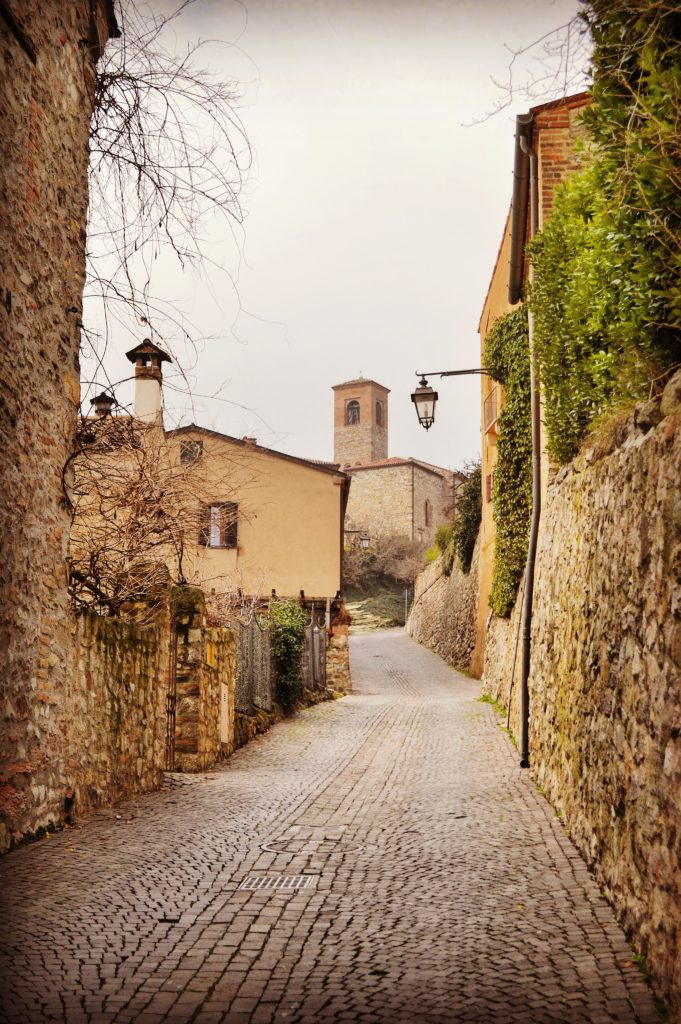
(424, 398)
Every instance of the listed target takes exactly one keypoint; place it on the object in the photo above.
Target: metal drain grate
(286, 883)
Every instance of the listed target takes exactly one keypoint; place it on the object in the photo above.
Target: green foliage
(467, 523)
(288, 640)
(443, 536)
(442, 546)
(507, 356)
(606, 298)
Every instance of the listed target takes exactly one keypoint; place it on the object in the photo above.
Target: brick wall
(557, 132)
(45, 105)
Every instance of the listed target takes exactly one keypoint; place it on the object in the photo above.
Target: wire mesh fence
(314, 657)
(254, 675)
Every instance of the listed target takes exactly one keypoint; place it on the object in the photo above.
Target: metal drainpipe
(535, 406)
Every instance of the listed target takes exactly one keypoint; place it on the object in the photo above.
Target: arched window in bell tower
(352, 413)
(379, 414)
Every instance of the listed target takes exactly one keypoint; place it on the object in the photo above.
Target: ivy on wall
(606, 296)
(467, 523)
(507, 357)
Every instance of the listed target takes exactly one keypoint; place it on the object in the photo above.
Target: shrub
(288, 641)
(467, 523)
(606, 297)
(507, 356)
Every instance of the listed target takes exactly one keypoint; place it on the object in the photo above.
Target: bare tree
(140, 512)
(168, 153)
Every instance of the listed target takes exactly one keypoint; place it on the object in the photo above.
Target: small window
(190, 451)
(219, 525)
(428, 513)
(352, 413)
(379, 414)
(489, 486)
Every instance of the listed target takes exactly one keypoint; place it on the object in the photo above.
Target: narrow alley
(378, 858)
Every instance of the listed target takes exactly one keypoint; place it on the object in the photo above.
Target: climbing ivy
(508, 359)
(606, 296)
(288, 640)
(467, 522)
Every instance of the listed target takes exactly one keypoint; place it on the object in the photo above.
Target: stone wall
(115, 739)
(113, 711)
(605, 687)
(437, 490)
(380, 501)
(206, 663)
(444, 611)
(46, 95)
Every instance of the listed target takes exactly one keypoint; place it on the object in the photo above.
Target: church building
(399, 497)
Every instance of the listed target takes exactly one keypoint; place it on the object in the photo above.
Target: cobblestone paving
(440, 887)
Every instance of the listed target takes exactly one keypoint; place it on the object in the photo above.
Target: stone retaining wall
(605, 687)
(47, 88)
(443, 614)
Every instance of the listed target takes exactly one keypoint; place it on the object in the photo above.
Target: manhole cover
(278, 883)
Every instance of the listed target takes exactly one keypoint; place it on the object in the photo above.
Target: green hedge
(507, 357)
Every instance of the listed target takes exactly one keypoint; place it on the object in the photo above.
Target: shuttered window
(219, 525)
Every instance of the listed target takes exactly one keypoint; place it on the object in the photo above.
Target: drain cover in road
(280, 883)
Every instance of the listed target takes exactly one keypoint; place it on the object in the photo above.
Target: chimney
(102, 404)
(148, 359)
(249, 440)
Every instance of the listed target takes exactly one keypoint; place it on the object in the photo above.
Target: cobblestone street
(436, 883)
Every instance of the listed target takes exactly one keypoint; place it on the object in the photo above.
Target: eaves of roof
(321, 467)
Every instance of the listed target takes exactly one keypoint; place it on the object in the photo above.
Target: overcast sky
(373, 213)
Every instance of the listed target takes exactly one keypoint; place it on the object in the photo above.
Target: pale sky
(373, 214)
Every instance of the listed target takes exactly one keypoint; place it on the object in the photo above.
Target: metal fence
(314, 657)
(254, 675)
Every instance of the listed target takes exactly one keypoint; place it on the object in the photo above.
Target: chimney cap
(147, 348)
(103, 403)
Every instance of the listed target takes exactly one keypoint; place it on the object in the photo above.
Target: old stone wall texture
(444, 611)
(206, 660)
(436, 490)
(390, 501)
(380, 501)
(605, 725)
(115, 734)
(46, 97)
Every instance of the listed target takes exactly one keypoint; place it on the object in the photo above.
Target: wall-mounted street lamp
(425, 399)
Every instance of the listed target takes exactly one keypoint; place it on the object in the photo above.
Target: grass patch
(487, 698)
(379, 608)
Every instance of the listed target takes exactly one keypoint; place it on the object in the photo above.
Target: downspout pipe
(525, 189)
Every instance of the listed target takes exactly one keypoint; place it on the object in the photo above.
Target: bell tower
(360, 422)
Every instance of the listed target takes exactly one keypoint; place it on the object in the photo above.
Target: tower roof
(360, 380)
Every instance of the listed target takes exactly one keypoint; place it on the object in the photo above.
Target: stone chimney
(148, 359)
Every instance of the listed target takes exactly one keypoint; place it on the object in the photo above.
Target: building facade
(389, 496)
(555, 132)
